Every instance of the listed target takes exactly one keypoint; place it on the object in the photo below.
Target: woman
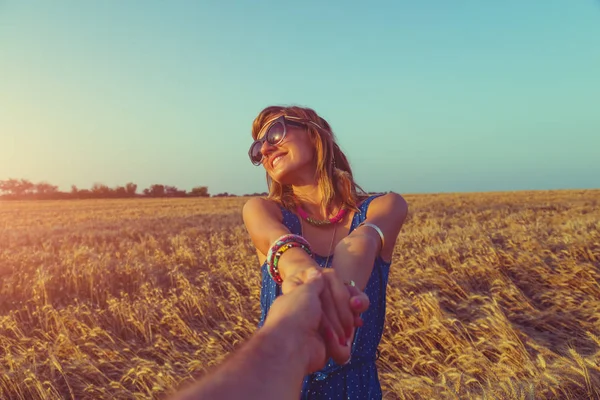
(316, 216)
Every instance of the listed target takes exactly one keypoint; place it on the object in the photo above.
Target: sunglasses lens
(273, 136)
(275, 133)
(255, 153)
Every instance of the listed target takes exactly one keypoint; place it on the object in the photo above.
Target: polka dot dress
(357, 380)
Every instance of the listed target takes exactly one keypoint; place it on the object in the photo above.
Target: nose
(266, 148)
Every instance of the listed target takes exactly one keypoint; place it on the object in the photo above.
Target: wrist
(269, 365)
(297, 277)
(284, 349)
(295, 261)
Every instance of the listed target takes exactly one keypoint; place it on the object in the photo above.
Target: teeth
(276, 159)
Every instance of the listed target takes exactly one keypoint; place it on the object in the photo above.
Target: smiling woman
(317, 217)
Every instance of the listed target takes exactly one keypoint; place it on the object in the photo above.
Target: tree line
(23, 189)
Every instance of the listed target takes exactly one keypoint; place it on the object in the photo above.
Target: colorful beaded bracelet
(277, 250)
(280, 246)
(274, 267)
(282, 241)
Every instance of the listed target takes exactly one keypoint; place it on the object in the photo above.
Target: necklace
(320, 222)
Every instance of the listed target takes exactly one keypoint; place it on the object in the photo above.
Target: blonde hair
(333, 172)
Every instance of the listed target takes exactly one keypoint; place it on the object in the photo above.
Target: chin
(283, 176)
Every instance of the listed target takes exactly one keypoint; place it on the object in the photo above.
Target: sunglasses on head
(274, 134)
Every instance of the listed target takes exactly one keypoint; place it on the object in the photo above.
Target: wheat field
(491, 296)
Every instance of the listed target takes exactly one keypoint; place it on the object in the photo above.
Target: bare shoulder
(264, 221)
(259, 208)
(392, 205)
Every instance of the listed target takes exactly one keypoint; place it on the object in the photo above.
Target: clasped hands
(319, 313)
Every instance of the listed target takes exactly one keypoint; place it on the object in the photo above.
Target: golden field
(492, 295)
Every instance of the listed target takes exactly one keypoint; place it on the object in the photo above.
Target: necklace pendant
(317, 222)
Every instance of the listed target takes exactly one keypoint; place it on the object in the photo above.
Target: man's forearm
(269, 366)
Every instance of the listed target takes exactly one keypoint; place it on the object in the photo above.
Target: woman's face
(292, 160)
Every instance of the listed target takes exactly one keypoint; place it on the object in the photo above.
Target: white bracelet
(376, 230)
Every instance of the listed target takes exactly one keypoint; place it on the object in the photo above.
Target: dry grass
(491, 296)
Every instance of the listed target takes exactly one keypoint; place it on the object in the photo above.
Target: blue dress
(358, 380)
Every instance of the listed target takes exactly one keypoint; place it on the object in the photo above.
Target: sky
(423, 96)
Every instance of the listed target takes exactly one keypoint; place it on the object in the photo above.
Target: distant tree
(100, 190)
(224, 194)
(9, 186)
(155, 190)
(44, 189)
(16, 188)
(172, 191)
(169, 190)
(199, 191)
(84, 194)
(131, 188)
(120, 192)
(25, 187)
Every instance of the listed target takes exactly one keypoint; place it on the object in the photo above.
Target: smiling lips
(275, 159)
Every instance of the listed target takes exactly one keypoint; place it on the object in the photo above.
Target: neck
(310, 199)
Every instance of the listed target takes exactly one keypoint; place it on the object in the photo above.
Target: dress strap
(290, 220)
(365, 206)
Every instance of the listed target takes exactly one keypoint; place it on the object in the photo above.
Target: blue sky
(424, 96)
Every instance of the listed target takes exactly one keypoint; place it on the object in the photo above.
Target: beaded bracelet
(282, 241)
(275, 269)
(277, 250)
(280, 246)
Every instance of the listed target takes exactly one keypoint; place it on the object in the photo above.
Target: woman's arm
(263, 222)
(355, 254)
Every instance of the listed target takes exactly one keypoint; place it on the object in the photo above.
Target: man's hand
(294, 319)
(273, 362)
(337, 317)
(299, 317)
